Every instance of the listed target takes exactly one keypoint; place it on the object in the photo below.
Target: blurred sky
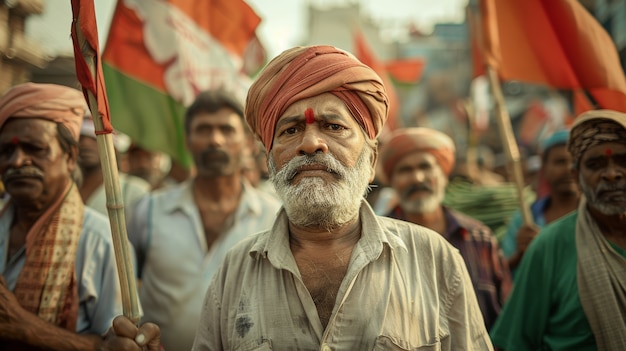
(283, 21)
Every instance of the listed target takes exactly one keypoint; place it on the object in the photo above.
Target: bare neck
(217, 189)
(434, 220)
(568, 201)
(92, 180)
(26, 214)
(321, 240)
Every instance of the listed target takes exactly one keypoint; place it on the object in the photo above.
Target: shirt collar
(181, 198)
(274, 244)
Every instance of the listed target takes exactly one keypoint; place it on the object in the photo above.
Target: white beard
(595, 201)
(314, 202)
(425, 205)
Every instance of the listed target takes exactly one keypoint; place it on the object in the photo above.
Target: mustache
(415, 188)
(26, 171)
(212, 152)
(619, 186)
(292, 168)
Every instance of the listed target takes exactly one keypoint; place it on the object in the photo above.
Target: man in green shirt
(570, 288)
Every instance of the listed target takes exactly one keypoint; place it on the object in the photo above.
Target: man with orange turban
(330, 274)
(417, 163)
(59, 288)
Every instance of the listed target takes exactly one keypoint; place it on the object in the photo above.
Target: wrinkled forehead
(27, 126)
(321, 107)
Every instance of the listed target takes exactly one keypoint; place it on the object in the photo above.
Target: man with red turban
(330, 274)
(59, 288)
(417, 163)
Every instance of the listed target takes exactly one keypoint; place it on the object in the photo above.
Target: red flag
(84, 27)
(406, 70)
(553, 42)
(363, 52)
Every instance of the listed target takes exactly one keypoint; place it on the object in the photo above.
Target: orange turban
(304, 72)
(52, 102)
(403, 142)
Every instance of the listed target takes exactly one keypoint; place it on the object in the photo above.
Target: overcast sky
(283, 21)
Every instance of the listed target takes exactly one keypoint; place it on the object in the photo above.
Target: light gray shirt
(406, 288)
(96, 272)
(175, 263)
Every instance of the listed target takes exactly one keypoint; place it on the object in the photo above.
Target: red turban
(403, 142)
(304, 72)
(52, 102)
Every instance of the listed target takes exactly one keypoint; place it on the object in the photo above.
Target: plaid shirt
(485, 262)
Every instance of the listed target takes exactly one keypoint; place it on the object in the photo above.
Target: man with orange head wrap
(417, 162)
(59, 288)
(330, 274)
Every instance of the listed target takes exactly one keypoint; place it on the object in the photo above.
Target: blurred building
(19, 53)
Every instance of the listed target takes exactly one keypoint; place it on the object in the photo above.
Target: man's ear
(576, 175)
(72, 158)
(374, 161)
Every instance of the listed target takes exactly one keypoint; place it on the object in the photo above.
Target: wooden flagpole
(509, 143)
(114, 197)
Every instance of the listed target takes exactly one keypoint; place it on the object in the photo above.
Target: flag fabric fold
(84, 26)
(553, 42)
(161, 54)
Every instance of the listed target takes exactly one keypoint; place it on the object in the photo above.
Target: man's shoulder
(165, 197)
(263, 197)
(96, 226)
(558, 231)
(473, 227)
(129, 180)
(413, 236)
(467, 222)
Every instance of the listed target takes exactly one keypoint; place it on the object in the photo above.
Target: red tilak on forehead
(608, 152)
(15, 140)
(309, 115)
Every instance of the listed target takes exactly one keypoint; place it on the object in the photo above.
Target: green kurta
(543, 311)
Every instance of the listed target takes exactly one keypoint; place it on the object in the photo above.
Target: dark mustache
(306, 160)
(212, 153)
(415, 188)
(26, 171)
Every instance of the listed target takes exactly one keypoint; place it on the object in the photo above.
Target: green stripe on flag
(149, 117)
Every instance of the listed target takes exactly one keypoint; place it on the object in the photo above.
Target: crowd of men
(224, 264)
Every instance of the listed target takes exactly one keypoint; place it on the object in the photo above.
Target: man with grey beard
(330, 274)
(570, 288)
(416, 163)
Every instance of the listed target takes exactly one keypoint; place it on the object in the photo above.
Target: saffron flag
(161, 54)
(553, 42)
(404, 70)
(85, 40)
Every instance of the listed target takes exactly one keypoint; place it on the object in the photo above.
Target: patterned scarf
(47, 284)
(601, 275)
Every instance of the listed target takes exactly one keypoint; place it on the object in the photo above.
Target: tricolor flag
(553, 42)
(161, 53)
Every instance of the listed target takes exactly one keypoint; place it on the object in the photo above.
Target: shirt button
(325, 347)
